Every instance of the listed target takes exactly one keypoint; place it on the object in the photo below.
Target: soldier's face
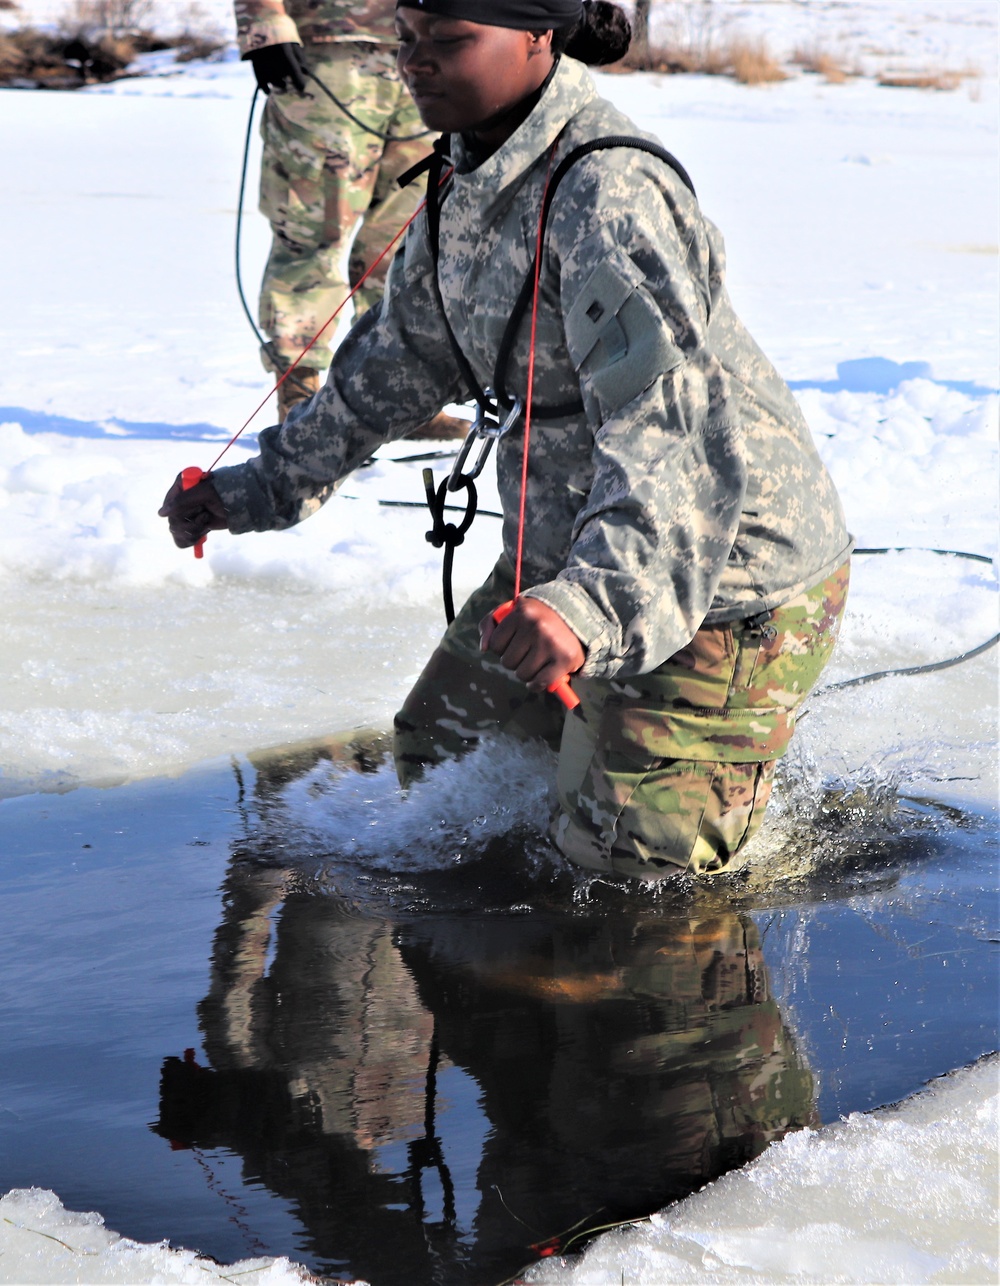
(464, 75)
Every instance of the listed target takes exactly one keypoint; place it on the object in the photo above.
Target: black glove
(192, 513)
(277, 65)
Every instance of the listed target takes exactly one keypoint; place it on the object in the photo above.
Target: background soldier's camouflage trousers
(667, 771)
(320, 173)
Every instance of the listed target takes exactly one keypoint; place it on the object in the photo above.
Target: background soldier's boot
(301, 384)
(441, 428)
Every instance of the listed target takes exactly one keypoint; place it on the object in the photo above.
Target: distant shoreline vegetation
(95, 41)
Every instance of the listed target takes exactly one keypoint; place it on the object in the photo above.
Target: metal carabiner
(486, 429)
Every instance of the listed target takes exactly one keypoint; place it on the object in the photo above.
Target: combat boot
(301, 384)
(442, 428)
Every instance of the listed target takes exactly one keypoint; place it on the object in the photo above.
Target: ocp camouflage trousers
(666, 771)
(320, 174)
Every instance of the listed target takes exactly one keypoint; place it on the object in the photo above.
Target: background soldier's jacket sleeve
(263, 22)
(309, 22)
(394, 371)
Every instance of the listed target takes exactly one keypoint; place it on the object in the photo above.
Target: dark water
(213, 1035)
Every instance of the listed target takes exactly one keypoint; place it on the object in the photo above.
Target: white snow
(906, 1194)
(861, 224)
(42, 1242)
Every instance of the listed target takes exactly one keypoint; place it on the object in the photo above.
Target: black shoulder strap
(434, 170)
(524, 298)
(435, 165)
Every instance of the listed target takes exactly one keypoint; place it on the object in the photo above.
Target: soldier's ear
(540, 42)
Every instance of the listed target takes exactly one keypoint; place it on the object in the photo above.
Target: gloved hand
(192, 514)
(277, 65)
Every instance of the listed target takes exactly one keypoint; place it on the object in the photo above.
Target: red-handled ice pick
(190, 478)
(561, 687)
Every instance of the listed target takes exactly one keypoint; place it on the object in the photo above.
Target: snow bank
(906, 1194)
(41, 1241)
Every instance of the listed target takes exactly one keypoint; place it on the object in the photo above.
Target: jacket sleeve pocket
(616, 336)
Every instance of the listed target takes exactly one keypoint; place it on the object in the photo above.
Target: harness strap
(523, 299)
(491, 402)
(434, 165)
(434, 173)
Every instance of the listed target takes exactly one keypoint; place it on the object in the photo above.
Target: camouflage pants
(666, 771)
(320, 174)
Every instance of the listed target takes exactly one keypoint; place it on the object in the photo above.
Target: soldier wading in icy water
(685, 556)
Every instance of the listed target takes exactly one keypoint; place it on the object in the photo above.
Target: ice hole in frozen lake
(266, 1007)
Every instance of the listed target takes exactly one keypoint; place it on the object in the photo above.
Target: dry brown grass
(752, 63)
(943, 80)
(823, 63)
(748, 61)
(31, 58)
(82, 54)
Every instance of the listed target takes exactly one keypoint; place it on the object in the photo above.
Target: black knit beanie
(522, 15)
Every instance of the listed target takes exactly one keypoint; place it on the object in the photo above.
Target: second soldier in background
(321, 171)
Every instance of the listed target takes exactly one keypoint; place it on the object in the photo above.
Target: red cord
(329, 321)
(531, 384)
(561, 687)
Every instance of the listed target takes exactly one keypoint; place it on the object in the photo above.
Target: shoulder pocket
(616, 335)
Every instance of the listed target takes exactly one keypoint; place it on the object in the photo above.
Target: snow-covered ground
(861, 225)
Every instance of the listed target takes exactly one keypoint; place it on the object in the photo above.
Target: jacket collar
(567, 93)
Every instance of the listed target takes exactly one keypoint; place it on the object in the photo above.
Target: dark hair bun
(601, 36)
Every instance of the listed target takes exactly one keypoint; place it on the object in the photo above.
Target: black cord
(268, 347)
(932, 666)
(386, 138)
(239, 220)
(448, 534)
(911, 669)
(923, 549)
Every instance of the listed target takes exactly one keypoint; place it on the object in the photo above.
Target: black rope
(932, 666)
(386, 138)
(427, 1153)
(911, 669)
(239, 220)
(448, 534)
(419, 504)
(923, 549)
(279, 362)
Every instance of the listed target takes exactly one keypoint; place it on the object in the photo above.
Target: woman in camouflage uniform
(685, 552)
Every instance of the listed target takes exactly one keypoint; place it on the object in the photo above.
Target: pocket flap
(606, 290)
(714, 736)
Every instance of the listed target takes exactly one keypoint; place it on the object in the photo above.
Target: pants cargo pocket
(681, 815)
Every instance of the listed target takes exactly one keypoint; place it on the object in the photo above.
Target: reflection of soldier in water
(620, 1061)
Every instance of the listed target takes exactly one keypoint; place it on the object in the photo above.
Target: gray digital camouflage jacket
(688, 491)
